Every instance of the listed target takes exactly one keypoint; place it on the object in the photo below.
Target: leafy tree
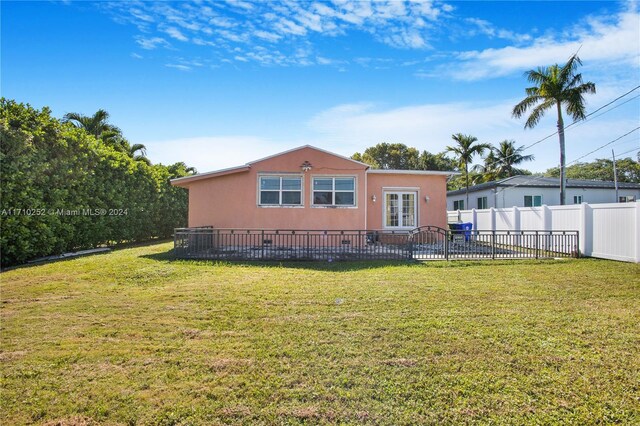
(555, 86)
(464, 150)
(440, 161)
(50, 169)
(395, 156)
(601, 169)
(401, 157)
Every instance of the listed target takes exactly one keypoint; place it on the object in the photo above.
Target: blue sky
(217, 84)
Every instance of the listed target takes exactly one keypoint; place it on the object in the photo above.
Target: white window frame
(533, 200)
(577, 199)
(400, 192)
(280, 191)
(485, 201)
(457, 202)
(333, 192)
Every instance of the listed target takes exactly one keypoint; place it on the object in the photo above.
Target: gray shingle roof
(544, 182)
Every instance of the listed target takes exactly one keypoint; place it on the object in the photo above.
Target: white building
(532, 191)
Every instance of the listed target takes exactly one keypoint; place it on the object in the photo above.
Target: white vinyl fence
(608, 231)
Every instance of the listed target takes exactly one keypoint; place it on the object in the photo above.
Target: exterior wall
(231, 201)
(432, 212)
(509, 197)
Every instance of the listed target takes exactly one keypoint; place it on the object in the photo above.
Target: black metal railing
(424, 243)
(430, 242)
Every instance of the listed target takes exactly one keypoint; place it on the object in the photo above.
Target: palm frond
(538, 112)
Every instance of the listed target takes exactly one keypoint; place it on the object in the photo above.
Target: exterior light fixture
(306, 166)
(373, 198)
(426, 199)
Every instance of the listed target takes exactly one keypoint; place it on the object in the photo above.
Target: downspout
(366, 197)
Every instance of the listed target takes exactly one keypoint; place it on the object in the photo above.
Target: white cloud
(430, 126)
(175, 33)
(180, 67)
(152, 43)
(599, 40)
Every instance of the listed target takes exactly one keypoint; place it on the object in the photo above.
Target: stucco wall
(432, 212)
(231, 201)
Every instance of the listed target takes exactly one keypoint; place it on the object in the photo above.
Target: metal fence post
(493, 244)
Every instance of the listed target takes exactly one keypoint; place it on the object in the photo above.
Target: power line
(602, 146)
(577, 121)
(533, 178)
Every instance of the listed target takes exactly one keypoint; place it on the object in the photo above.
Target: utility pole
(615, 175)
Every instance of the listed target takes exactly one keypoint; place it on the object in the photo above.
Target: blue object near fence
(462, 228)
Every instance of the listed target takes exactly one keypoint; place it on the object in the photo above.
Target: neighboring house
(307, 188)
(532, 191)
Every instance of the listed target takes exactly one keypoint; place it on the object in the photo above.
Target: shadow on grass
(349, 265)
(114, 247)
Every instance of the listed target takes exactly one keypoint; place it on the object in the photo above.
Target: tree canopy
(399, 156)
(628, 170)
(64, 188)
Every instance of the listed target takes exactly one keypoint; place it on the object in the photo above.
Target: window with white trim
(280, 191)
(577, 199)
(532, 200)
(334, 191)
(458, 205)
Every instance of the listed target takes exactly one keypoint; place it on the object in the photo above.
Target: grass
(132, 337)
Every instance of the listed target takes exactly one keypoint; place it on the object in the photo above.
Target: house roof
(312, 147)
(544, 182)
(183, 181)
(411, 172)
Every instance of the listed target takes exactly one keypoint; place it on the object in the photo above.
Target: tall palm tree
(465, 149)
(500, 162)
(557, 86)
(96, 125)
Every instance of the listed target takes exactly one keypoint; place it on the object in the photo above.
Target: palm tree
(501, 160)
(98, 126)
(465, 149)
(95, 125)
(555, 86)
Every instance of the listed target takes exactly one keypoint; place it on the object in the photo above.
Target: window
(532, 200)
(280, 191)
(458, 205)
(482, 203)
(334, 191)
(627, 199)
(577, 199)
(400, 209)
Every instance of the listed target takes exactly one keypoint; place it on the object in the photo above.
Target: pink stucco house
(307, 188)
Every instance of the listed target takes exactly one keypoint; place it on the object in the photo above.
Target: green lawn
(132, 337)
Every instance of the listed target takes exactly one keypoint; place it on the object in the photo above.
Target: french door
(400, 210)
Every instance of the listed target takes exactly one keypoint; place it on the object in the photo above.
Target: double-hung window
(280, 191)
(334, 191)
